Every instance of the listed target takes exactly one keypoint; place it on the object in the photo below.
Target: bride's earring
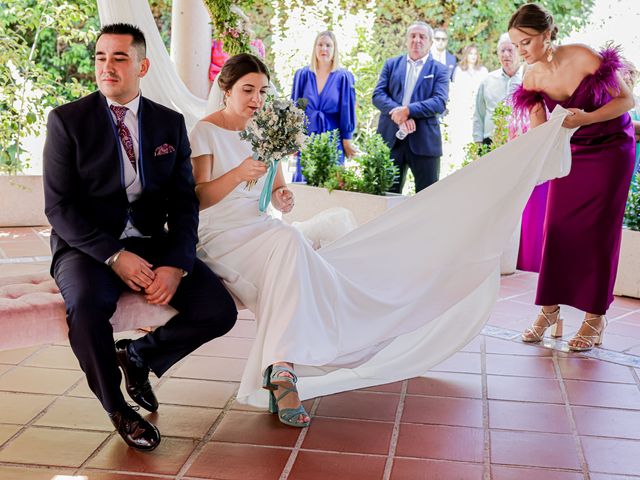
(549, 52)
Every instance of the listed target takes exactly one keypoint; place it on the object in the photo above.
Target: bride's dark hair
(535, 17)
(237, 67)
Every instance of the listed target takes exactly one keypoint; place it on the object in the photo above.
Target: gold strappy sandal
(590, 340)
(535, 332)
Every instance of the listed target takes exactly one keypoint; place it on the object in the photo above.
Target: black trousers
(425, 169)
(91, 290)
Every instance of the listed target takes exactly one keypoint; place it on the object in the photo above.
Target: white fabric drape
(460, 225)
(390, 299)
(162, 84)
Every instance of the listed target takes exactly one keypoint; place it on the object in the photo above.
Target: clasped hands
(159, 284)
(400, 116)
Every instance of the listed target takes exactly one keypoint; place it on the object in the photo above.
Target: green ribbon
(265, 196)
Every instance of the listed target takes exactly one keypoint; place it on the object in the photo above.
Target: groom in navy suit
(119, 194)
(411, 94)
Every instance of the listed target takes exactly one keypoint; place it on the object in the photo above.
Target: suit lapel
(110, 133)
(401, 75)
(141, 142)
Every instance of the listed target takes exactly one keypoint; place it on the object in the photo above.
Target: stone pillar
(191, 44)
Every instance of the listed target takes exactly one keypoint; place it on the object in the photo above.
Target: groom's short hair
(138, 42)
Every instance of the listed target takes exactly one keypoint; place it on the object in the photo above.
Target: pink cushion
(32, 312)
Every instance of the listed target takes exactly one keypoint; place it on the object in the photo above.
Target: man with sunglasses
(440, 53)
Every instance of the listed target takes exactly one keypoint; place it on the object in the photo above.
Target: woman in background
(462, 98)
(470, 69)
(330, 94)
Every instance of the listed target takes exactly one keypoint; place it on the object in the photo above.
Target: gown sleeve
(199, 141)
(347, 106)
(522, 101)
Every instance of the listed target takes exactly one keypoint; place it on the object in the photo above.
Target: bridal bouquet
(278, 130)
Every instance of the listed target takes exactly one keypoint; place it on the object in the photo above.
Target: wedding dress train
(390, 299)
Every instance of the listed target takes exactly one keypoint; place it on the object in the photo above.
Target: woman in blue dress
(330, 93)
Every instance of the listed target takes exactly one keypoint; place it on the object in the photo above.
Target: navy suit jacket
(428, 102)
(85, 197)
(452, 61)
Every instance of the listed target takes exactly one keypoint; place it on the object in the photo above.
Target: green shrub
(372, 171)
(377, 169)
(632, 210)
(318, 156)
(501, 116)
(344, 178)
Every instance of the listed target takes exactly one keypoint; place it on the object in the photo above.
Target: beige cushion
(32, 312)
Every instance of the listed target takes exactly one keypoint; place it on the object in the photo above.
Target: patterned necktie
(123, 132)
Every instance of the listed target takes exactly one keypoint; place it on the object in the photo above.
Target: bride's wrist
(237, 177)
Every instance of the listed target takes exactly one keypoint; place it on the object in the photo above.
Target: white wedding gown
(388, 300)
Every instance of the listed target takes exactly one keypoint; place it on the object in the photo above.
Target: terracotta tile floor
(498, 409)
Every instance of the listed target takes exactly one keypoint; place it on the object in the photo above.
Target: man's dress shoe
(135, 430)
(136, 378)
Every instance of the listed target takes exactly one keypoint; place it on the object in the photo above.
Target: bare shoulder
(531, 77)
(581, 57)
(214, 118)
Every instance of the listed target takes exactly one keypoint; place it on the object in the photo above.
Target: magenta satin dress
(583, 222)
(532, 231)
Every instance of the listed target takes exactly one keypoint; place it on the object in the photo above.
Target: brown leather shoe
(136, 378)
(135, 430)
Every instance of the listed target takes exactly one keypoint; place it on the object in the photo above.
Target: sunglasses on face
(440, 39)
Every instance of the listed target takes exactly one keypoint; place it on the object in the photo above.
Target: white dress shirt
(439, 56)
(496, 87)
(414, 67)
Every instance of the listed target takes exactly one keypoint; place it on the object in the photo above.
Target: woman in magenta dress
(330, 93)
(583, 224)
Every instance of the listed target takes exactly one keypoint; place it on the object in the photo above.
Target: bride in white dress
(385, 302)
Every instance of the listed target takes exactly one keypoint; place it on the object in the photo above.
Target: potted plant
(628, 279)
(319, 157)
(377, 168)
(359, 186)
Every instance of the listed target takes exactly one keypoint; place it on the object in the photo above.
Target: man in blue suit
(117, 170)
(411, 94)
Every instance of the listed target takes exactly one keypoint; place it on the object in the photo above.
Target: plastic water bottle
(401, 134)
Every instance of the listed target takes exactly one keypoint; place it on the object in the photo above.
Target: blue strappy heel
(288, 416)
